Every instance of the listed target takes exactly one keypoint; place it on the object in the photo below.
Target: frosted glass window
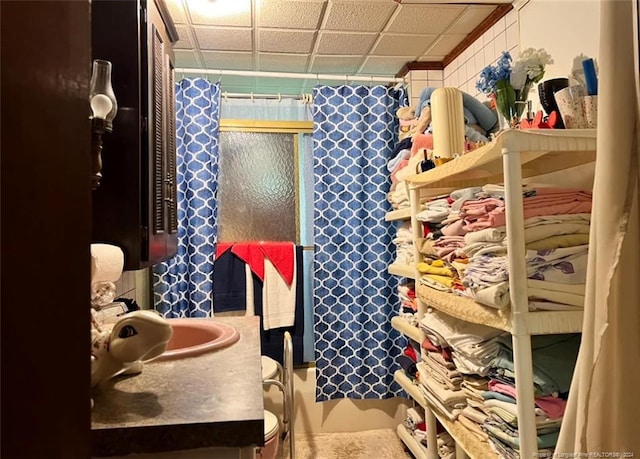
(257, 196)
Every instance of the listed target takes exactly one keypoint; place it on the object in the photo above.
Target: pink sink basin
(193, 337)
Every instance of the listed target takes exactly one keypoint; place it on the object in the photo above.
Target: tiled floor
(369, 444)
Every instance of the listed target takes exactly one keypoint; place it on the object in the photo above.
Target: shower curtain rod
(310, 76)
(239, 95)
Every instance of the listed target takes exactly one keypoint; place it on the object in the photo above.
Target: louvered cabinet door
(135, 205)
(157, 139)
(163, 230)
(171, 190)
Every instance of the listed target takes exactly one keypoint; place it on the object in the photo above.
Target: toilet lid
(270, 424)
(269, 367)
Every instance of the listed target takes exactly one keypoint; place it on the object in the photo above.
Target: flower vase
(505, 110)
(511, 103)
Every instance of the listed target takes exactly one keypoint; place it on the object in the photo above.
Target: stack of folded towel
(404, 244)
(408, 302)
(465, 239)
(453, 349)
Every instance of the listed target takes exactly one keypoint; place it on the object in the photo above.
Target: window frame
(295, 128)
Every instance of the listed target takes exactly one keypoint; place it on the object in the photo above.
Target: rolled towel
(107, 262)
(496, 296)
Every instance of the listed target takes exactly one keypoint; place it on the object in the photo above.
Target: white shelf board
(398, 214)
(410, 388)
(463, 308)
(475, 448)
(418, 451)
(541, 151)
(407, 329)
(398, 269)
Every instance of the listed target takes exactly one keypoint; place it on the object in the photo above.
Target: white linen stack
(404, 244)
(474, 346)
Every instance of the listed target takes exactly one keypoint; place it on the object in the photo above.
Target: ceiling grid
(351, 37)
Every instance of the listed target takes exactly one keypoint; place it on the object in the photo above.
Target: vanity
(205, 406)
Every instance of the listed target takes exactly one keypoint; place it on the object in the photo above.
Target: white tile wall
(135, 285)
(463, 72)
(420, 79)
(126, 285)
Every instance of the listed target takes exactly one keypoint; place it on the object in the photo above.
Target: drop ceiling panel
(296, 63)
(215, 60)
(220, 39)
(185, 41)
(285, 41)
(358, 16)
(200, 15)
(345, 42)
(445, 44)
(176, 10)
(376, 65)
(470, 19)
(421, 20)
(411, 45)
(335, 64)
(323, 36)
(297, 14)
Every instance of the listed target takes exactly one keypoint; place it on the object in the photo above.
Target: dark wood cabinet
(135, 205)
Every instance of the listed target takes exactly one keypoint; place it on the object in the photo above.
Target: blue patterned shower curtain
(183, 285)
(355, 131)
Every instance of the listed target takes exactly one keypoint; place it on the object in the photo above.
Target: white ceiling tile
(358, 16)
(470, 19)
(284, 41)
(402, 45)
(220, 39)
(445, 44)
(203, 12)
(176, 10)
(424, 19)
(296, 14)
(283, 62)
(376, 65)
(335, 64)
(345, 43)
(228, 60)
(314, 36)
(185, 41)
(186, 59)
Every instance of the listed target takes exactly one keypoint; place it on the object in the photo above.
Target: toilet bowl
(271, 437)
(270, 368)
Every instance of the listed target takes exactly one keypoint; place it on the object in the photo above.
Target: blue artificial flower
(491, 74)
(503, 66)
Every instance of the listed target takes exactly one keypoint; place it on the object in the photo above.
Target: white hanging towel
(278, 298)
(251, 308)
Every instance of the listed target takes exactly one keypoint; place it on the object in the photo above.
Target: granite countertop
(214, 399)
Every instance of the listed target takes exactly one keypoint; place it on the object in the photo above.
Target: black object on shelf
(546, 91)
